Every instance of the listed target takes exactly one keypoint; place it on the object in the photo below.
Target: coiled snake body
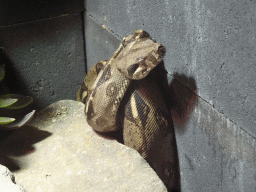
(121, 89)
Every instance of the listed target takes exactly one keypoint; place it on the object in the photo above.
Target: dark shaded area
(84, 40)
(117, 135)
(182, 93)
(18, 143)
(4, 134)
(13, 81)
(20, 11)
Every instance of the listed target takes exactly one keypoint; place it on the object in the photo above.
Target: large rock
(7, 181)
(58, 151)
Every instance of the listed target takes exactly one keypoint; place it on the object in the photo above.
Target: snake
(121, 93)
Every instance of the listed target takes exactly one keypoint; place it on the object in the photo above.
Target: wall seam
(105, 27)
(216, 109)
(44, 19)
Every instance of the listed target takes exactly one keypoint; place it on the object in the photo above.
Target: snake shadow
(182, 99)
(180, 95)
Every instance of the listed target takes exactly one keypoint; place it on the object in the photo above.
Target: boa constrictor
(120, 90)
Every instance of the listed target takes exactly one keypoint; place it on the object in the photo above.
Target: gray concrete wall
(44, 46)
(210, 60)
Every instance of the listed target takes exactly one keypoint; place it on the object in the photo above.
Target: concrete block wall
(44, 46)
(210, 61)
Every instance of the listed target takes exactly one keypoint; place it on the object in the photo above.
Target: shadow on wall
(183, 98)
(180, 95)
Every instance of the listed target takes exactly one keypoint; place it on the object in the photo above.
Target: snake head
(139, 55)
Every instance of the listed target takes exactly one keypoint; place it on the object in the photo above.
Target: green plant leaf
(2, 72)
(22, 102)
(7, 102)
(19, 122)
(6, 120)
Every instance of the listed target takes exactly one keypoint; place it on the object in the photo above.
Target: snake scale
(121, 92)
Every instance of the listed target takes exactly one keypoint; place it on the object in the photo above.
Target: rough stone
(7, 181)
(58, 151)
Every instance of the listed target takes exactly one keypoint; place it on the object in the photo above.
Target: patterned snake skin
(120, 90)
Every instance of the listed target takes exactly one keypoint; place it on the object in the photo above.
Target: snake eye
(131, 69)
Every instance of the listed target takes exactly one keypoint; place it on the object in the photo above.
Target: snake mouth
(161, 51)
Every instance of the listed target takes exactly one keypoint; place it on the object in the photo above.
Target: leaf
(2, 72)
(19, 122)
(7, 102)
(22, 102)
(6, 120)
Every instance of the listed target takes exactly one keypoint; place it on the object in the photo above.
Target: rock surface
(58, 151)
(7, 181)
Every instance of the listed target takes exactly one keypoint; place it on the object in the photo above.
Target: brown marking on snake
(128, 113)
(105, 76)
(142, 108)
(111, 89)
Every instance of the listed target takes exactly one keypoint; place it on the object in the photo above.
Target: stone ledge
(58, 151)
